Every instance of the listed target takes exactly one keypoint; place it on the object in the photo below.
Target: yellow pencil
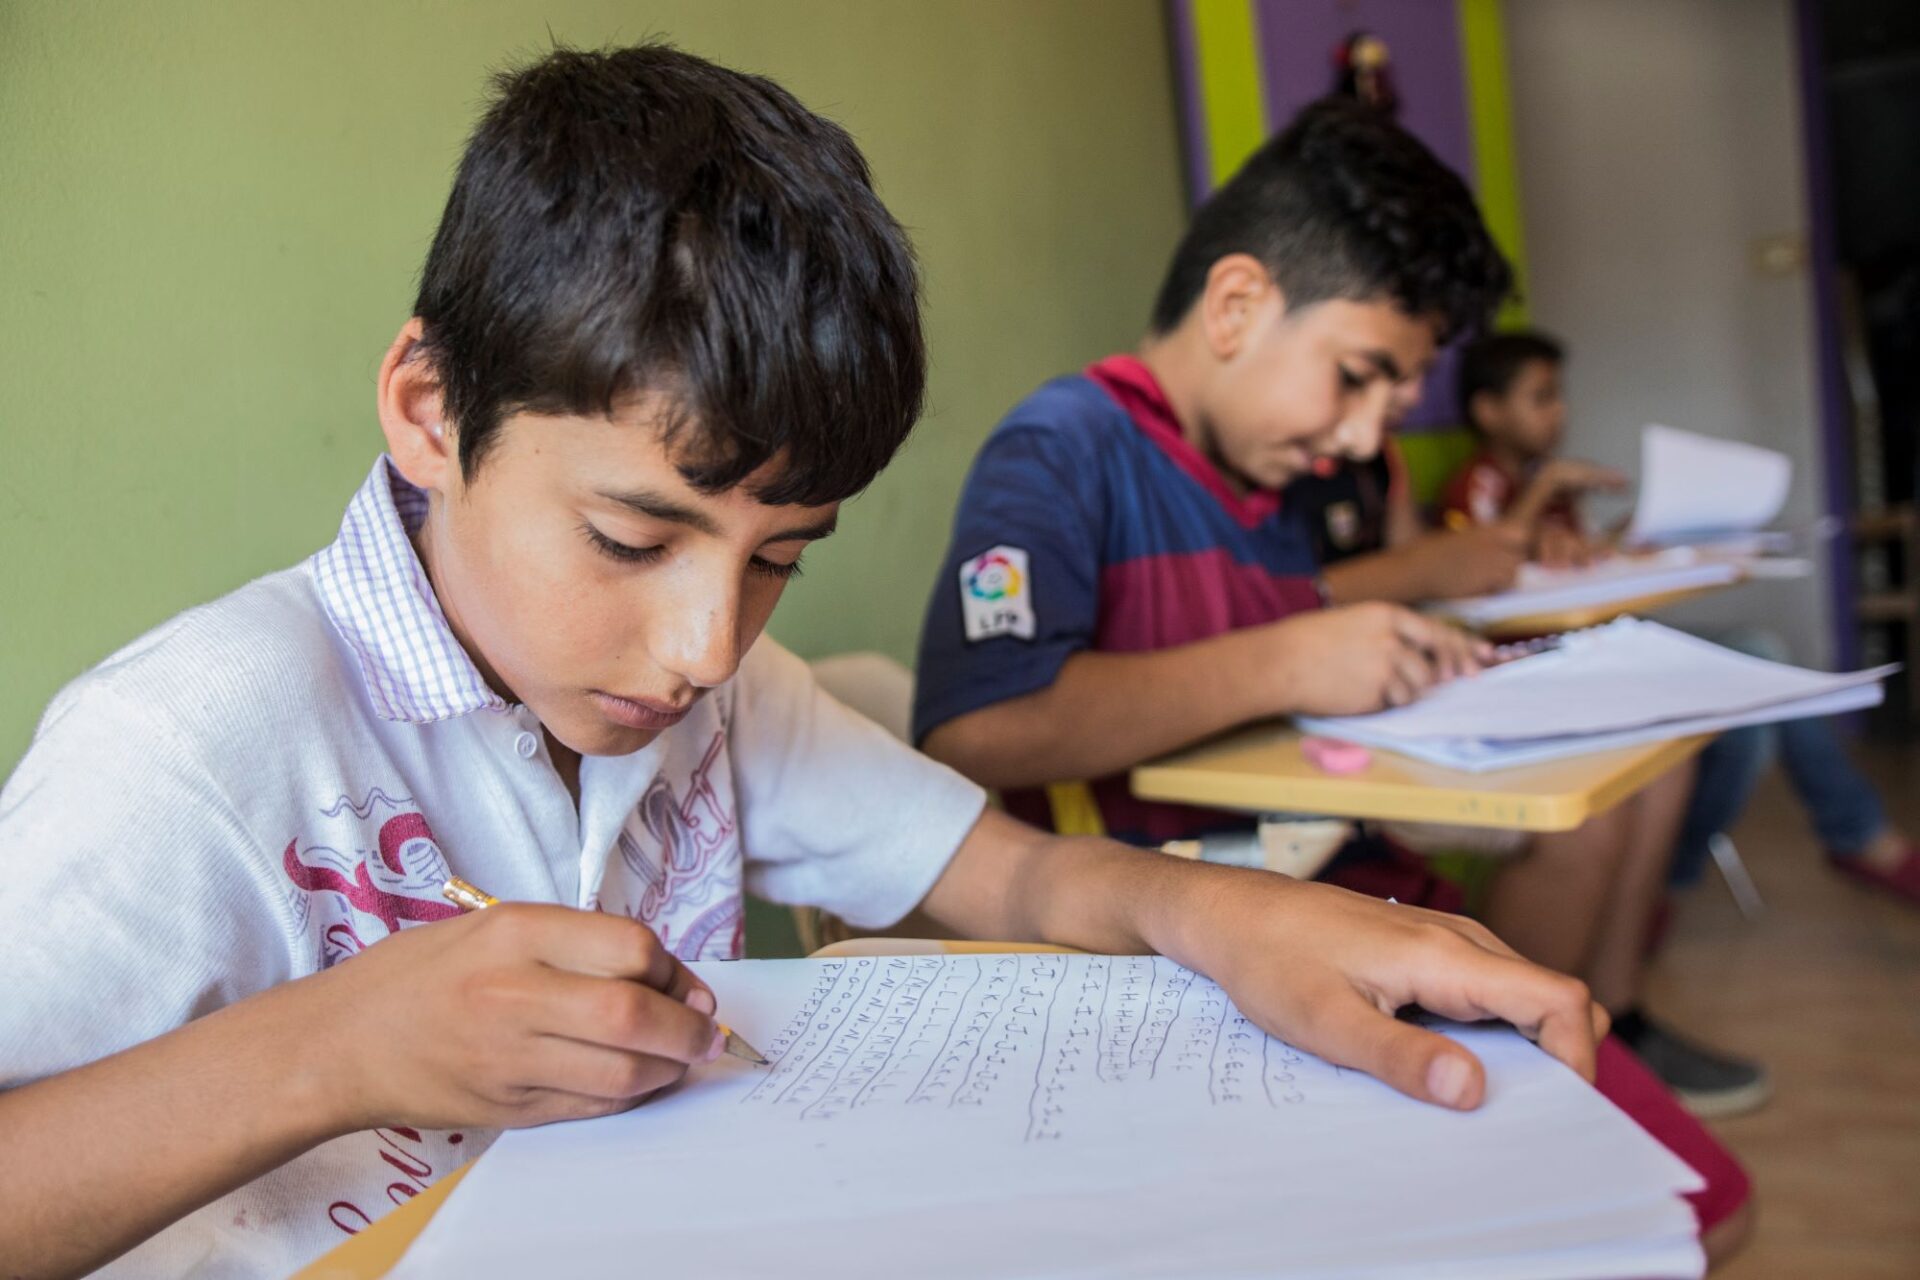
(470, 897)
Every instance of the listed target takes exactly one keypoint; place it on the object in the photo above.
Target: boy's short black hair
(1493, 362)
(637, 222)
(1346, 204)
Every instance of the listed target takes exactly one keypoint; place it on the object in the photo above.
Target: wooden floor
(1824, 988)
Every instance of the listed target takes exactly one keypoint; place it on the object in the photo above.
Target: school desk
(1261, 770)
(1529, 625)
(376, 1251)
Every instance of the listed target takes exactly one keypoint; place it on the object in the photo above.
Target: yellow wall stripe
(1483, 56)
(1231, 93)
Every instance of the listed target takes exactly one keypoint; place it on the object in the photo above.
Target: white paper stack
(1692, 486)
(1044, 1115)
(1627, 682)
(1539, 590)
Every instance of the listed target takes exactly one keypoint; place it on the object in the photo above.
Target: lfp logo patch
(996, 595)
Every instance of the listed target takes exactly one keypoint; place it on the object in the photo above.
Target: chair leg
(1733, 869)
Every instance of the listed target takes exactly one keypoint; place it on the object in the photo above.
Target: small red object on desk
(1330, 755)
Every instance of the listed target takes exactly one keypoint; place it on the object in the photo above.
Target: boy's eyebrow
(660, 507)
(807, 532)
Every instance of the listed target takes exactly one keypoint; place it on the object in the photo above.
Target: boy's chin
(593, 735)
(616, 740)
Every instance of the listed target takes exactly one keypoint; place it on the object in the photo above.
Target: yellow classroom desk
(1545, 624)
(1261, 770)
(376, 1251)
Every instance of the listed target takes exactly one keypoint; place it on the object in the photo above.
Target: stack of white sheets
(1628, 682)
(1072, 1116)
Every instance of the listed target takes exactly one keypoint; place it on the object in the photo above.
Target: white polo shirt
(272, 782)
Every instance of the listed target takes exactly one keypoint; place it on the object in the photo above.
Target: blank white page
(1626, 675)
(1043, 1115)
(1693, 484)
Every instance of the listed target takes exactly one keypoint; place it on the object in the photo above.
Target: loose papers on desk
(1630, 681)
(1048, 1115)
(1693, 485)
(1539, 590)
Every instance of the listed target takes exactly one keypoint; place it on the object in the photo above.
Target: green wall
(212, 216)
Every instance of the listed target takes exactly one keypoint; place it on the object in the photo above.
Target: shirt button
(526, 745)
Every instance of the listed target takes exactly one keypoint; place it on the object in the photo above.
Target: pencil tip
(739, 1048)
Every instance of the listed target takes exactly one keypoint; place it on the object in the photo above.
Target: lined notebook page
(1062, 1115)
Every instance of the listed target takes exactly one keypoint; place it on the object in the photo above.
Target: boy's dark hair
(1346, 204)
(1493, 362)
(639, 221)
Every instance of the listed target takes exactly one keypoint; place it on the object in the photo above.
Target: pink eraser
(1330, 755)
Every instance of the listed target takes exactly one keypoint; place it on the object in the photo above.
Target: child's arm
(1556, 477)
(1432, 566)
(1105, 712)
(1319, 966)
(516, 1016)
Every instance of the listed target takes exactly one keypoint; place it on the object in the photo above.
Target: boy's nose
(701, 643)
(1361, 433)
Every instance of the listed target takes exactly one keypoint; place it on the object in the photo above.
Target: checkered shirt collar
(377, 595)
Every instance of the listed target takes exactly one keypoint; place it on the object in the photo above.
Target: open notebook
(1627, 682)
(1050, 1115)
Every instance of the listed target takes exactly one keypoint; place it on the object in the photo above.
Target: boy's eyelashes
(1351, 381)
(626, 553)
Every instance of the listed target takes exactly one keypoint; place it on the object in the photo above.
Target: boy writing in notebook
(1126, 576)
(664, 329)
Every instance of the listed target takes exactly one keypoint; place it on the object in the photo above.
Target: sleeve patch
(996, 595)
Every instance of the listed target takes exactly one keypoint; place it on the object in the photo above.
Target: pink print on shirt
(398, 883)
(681, 859)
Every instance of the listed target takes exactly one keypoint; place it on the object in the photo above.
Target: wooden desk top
(1261, 770)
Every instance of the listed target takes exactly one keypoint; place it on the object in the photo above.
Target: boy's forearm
(1011, 883)
(1106, 712)
(1394, 575)
(97, 1159)
(1534, 501)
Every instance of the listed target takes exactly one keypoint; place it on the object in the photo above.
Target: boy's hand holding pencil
(521, 1014)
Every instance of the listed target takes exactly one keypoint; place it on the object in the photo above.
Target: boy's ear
(1238, 291)
(412, 416)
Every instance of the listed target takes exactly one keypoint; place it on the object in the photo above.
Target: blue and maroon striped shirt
(1089, 522)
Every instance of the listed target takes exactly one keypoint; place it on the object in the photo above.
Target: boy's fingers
(595, 1071)
(1551, 1009)
(1413, 671)
(607, 946)
(625, 1015)
(690, 991)
(1419, 1063)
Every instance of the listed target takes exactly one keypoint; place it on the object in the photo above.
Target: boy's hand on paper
(1326, 969)
(1365, 657)
(517, 1015)
(1559, 547)
(1468, 562)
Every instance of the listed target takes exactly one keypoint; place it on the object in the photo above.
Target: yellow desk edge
(1480, 801)
(377, 1250)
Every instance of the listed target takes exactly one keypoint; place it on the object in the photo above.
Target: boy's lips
(638, 713)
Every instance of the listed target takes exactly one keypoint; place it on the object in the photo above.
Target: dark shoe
(1902, 882)
(1708, 1084)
